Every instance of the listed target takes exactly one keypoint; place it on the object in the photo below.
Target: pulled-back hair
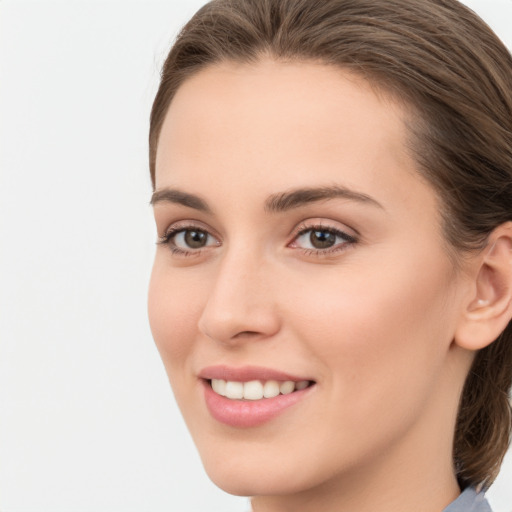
(454, 76)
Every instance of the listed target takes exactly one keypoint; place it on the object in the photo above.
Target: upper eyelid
(325, 224)
(183, 225)
(310, 221)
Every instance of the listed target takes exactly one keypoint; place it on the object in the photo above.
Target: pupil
(195, 239)
(322, 239)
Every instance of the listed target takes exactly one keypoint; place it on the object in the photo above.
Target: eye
(188, 240)
(191, 239)
(322, 239)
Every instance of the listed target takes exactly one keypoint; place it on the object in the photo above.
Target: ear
(489, 307)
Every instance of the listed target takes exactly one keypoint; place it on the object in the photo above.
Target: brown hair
(455, 76)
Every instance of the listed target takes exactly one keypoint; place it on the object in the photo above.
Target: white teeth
(234, 390)
(219, 386)
(255, 389)
(287, 387)
(271, 389)
(303, 384)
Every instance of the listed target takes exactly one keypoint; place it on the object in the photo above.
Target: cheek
(378, 332)
(173, 310)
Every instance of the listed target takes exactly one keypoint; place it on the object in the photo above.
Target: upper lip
(246, 373)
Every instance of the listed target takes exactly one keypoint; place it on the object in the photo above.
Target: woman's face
(300, 246)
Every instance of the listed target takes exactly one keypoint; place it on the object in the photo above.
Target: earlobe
(489, 309)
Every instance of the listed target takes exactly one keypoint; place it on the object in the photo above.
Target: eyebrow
(275, 203)
(171, 195)
(302, 196)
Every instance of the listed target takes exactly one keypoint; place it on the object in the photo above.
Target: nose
(241, 305)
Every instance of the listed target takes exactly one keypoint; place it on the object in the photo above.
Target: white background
(87, 420)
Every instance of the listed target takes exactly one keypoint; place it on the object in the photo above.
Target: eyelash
(167, 239)
(348, 240)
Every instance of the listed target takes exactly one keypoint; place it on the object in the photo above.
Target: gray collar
(469, 501)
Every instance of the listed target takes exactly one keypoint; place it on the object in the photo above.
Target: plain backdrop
(87, 420)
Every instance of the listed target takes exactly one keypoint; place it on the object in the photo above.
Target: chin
(242, 477)
(274, 483)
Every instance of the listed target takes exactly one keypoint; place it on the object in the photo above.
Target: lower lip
(249, 413)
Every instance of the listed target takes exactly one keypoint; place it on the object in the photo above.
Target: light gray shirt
(469, 501)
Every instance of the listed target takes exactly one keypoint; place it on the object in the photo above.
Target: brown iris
(195, 239)
(322, 239)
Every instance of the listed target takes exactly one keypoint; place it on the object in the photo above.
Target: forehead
(270, 125)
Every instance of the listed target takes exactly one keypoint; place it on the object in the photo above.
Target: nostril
(246, 334)
(236, 322)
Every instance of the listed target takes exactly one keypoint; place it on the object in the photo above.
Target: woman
(332, 290)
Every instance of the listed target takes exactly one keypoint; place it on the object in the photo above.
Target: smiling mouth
(256, 389)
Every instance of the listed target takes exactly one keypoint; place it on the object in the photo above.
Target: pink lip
(246, 373)
(248, 413)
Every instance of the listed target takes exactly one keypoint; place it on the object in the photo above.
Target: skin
(372, 322)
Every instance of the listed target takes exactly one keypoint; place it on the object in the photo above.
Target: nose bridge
(240, 302)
